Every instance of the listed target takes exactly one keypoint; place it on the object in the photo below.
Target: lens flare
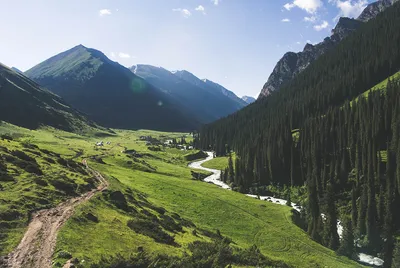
(138, 85)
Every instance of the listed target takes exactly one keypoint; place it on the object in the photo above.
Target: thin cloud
(310, 6)
(104, 12)
(285, 20)
(310, 19)
(321, 26)
(201, 9)
(184, 12)
(349, 8)
(124, 55)
(216, 2)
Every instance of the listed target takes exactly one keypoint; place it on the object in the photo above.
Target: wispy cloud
(124, 55)
(310, 19)
(321, 26)
(285, 20)
(349, 8)
(201, 9)
(310, 6)
(104, 12)
(216, 2)
(184, 12)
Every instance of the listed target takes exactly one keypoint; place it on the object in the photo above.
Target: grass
(219, 163)
(296, 135)
(383, 155)
(381, 86)
(157, 180)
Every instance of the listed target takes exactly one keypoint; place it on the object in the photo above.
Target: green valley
(154, 185)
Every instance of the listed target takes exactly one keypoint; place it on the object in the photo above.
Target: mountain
(107, 92)
(374, 9)
(211, 87)
(225, 92)
(291, 64)
(248, 99)
(15, 69)
(334, 130)
(24, 103)
(193, 96)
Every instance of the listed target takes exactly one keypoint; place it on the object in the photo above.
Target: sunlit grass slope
(159, 184)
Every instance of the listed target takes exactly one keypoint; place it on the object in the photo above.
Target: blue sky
(233, 42)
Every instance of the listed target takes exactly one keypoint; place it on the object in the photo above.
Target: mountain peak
(291, 64)
(373, 9)
(308, 47)
(84, 61)
(248, 99)
(345, 26)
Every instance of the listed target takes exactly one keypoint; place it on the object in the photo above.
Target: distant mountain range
(24, 103)
(291, 64)
(143, 96)
(248, 99)
(109, 93)
(202, 99)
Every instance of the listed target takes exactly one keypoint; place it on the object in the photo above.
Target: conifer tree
(354, 213)
(396, 256)
(331, 237)
(231, 172)
(347, 247)
(288, 198)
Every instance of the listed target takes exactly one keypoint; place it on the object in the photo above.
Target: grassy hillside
(20, 96)
(156, 186)
(380, 86)
(219, 163)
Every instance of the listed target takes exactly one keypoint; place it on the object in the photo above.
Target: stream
(215, 179)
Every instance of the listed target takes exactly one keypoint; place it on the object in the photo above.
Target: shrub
(65, 185)
(151, 229)
(40, 181)
(23, 156)
(6, 137)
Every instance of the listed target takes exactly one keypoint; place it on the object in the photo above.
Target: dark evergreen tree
(396, 256)
(330, 237)
(347, 247)
(231, 171)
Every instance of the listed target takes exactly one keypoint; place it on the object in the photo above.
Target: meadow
(156, 186)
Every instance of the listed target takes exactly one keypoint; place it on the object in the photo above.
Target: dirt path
(37, 246)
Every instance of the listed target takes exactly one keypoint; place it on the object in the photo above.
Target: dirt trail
(37, 246)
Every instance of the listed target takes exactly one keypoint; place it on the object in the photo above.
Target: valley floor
(222, 162)
(154, 182)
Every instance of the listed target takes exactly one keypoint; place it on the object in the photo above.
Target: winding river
(215, 179)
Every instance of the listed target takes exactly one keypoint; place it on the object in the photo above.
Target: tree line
(315, 132)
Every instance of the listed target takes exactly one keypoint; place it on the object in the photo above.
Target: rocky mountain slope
(248, 99)
(291, 64)
(203, 100)
(24, 103)
(107, 92)
(212, 87)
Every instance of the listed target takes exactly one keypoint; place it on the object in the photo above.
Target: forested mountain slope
(107, 92)
(291, 64)
(25, 103)
(347, 155)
